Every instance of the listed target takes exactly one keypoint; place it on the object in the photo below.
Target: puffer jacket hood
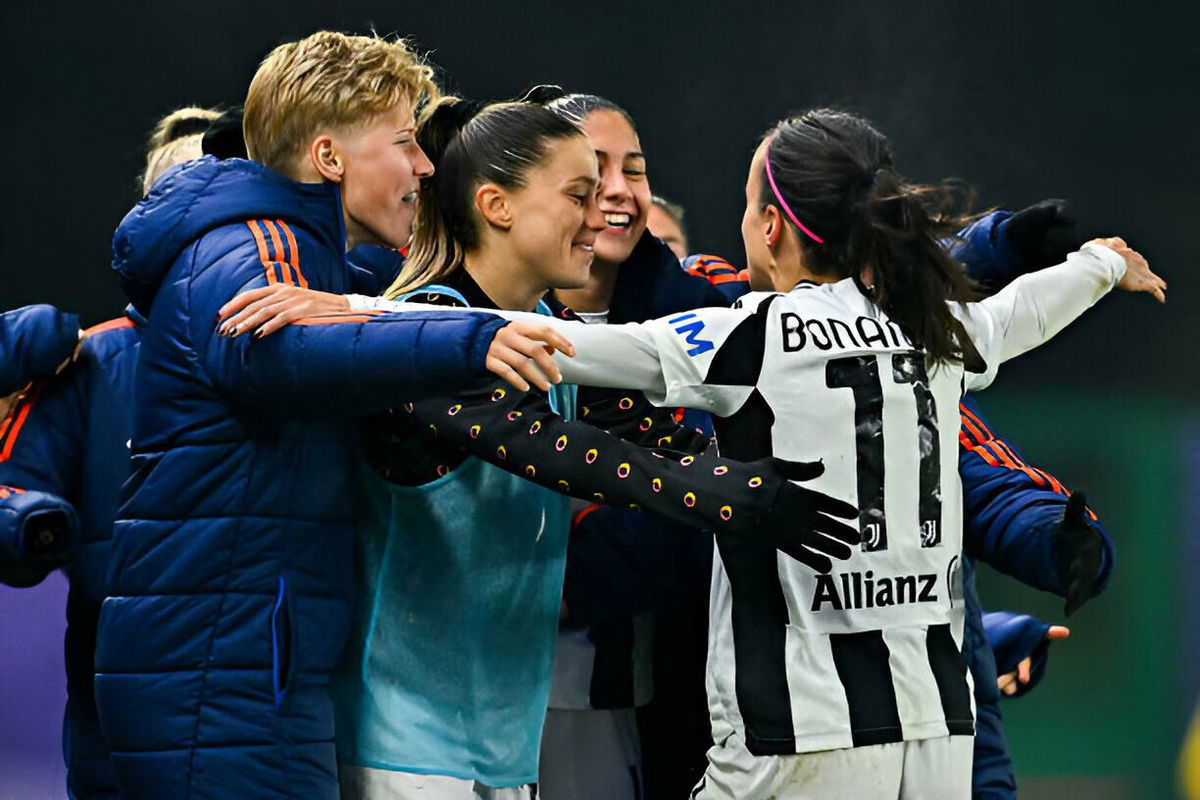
(34, 341)
(204, 194)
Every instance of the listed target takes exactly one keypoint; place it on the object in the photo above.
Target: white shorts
(926, 769)
(368, 783)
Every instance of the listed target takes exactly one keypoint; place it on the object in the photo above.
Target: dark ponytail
(574, 107)
(470, 144)
(834, 171)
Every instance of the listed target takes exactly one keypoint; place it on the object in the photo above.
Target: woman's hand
(266, 310)
(1138, 277)
(521, 354)
(1010, 682)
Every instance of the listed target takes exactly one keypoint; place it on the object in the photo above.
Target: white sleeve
(666, 358)
(615, 356)
(364, 302)
(1036, 306)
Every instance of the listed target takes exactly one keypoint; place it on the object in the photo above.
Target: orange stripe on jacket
(10, 429)
(293, 253)
(111, 325)
(982, 452)
(277, 250)
(727, 277)
(263, 255)
(1054, 484)
(985, 446)
(1012, 462)
(341, 316)
(975, 425)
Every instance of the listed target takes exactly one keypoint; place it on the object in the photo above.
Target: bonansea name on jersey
(870, 652)
(829, 333)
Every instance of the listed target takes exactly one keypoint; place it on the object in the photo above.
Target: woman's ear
(492, 202)
(326, 158)
(772, 225)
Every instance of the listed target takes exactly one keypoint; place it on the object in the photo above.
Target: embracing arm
(610, 356)
(1036, 306)
(1022, 521)
(521, 434)
(347, 363)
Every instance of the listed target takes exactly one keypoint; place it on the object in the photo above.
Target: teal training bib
(448, 669)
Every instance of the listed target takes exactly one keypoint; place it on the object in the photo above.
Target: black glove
(802, 522)
(1042, 235)
(1078, 549)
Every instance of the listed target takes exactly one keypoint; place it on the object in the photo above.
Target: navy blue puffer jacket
(63, 446)
(230, 581)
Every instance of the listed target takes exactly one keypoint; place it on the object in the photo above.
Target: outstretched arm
(520, 433)
(653, 357)
(350, 363)
(1022, 521)
(1036, 306)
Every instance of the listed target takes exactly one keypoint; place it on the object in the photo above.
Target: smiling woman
(464, 533)
(379, 170)
(624, 197)
(518, 183)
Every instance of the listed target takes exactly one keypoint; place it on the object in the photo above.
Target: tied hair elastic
(783, 203)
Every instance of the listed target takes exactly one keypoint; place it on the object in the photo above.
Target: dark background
(1098, 103)
(1095, 102)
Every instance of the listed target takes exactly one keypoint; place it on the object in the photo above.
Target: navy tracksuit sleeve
(36, 532)
(34, 340)
(339, 365)
(1012, 510)
(983, 249)
(41, 450)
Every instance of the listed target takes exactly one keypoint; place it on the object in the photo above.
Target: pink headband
(783, 204)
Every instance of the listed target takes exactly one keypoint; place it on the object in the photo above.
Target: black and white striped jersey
(869, 653)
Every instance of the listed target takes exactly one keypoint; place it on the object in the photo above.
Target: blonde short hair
(327, 80)
(176, 151)
(175, 138)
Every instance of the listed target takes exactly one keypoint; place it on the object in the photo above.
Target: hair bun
(542, 94)
(442, 124)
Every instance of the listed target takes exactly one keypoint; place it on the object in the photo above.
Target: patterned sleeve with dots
(635, 419)
(519, 432)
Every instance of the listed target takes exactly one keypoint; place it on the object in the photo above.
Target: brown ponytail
(834, 170)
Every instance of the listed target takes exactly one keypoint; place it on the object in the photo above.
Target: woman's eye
(635, 173)
(579, 198)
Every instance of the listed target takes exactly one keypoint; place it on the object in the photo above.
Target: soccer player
(230, 580)
(847, 684)
(446, 689)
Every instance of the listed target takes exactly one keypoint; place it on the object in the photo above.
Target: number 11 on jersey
(860, 374)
